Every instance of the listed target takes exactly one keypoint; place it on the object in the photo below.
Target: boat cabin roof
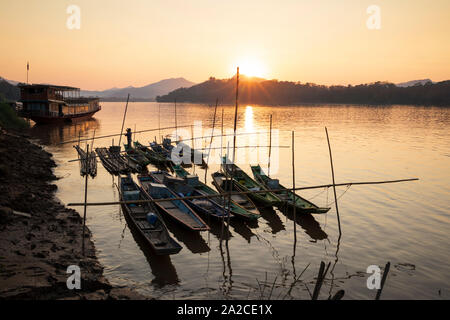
(47, 86)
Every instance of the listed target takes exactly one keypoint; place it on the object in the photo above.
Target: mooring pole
(270, 146)
(85, 200)
(176, 124)
(334, 184)
(293, 188)
(123, 121)
(212, 137)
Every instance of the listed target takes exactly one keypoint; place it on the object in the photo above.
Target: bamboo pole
(85, 201)
(212, 134)
(385, 273)
(234, 148)
(320, 278)
(123, 121)
(118, 134)
(334, 184)
(270, 146)
(293, 189)
(176, 125)
(236, 193)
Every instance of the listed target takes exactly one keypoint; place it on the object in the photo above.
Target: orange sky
(137, 42)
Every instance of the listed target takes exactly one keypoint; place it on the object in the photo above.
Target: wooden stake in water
(293, 189)
(334, 183)
(85, 199)
(383, 280)
(176, 124)
(123, 121)
(212, 137)
(270, 146)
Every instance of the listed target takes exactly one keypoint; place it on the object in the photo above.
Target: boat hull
(67, 118)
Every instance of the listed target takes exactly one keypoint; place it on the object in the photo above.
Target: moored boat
(151, 155)
(246, 183)
(145, 219)
(204, 189)
(224, 185)
(185, 187)
(287, 196)
(44, 103)
(179, 210)
(136, 156)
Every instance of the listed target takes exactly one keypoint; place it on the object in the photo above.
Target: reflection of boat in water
(307, 222)
(161, 266)
(272, 218)
(193, 241)
(50, 134)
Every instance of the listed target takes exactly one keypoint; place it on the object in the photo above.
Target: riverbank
(39, 237)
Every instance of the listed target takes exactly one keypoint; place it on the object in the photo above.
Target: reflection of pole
(85, 200)
(123, 121)
(334, 183)
(270, 146)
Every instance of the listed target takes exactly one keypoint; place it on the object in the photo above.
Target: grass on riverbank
(9, 118)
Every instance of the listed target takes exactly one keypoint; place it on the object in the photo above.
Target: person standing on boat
(129, 136)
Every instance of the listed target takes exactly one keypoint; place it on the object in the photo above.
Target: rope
(348, 187)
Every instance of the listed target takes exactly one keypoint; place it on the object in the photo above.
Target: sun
(252, 68)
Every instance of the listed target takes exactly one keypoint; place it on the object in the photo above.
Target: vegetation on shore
(9, 118)
(274, 92)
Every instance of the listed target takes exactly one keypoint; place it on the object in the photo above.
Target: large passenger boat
(44, 103)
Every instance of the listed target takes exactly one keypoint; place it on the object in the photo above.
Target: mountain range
(147, 93)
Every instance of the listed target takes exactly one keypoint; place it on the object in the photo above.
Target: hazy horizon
(137, 43)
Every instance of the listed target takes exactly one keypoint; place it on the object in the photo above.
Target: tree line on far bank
(274, 92)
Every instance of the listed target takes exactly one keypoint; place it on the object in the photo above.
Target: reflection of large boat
(45, 103)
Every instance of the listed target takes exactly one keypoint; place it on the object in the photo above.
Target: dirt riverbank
(39, 237)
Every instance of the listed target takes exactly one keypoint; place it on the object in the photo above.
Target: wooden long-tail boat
(179, 210)
(185, 188)
(287, 196)
(145, 219)
(204, 189)
(136, 156)
(151, 155)
(223, 184)
(246, 183)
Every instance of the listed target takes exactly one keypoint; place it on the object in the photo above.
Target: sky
(137, 42)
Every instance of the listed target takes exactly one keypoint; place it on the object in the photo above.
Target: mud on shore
(37, 247)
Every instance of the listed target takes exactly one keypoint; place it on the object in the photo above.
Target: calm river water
(407, 224)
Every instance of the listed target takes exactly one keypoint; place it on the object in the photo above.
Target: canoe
(179, 210)
(287, 196)
(150, 154)
(144, 218)
(136, 156)
(222, 185)
(204, 189)
(245, 183)
(185, 188)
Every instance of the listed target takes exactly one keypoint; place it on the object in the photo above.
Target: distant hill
(413, 83)
(274, 92)
(9, 91)
(148, 92)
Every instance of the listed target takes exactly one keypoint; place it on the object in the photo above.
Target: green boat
(287, 196)
(236, 209)
(245, 183)
(136, 156)
(151, 155)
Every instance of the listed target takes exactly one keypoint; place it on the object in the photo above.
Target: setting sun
(252, 68)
